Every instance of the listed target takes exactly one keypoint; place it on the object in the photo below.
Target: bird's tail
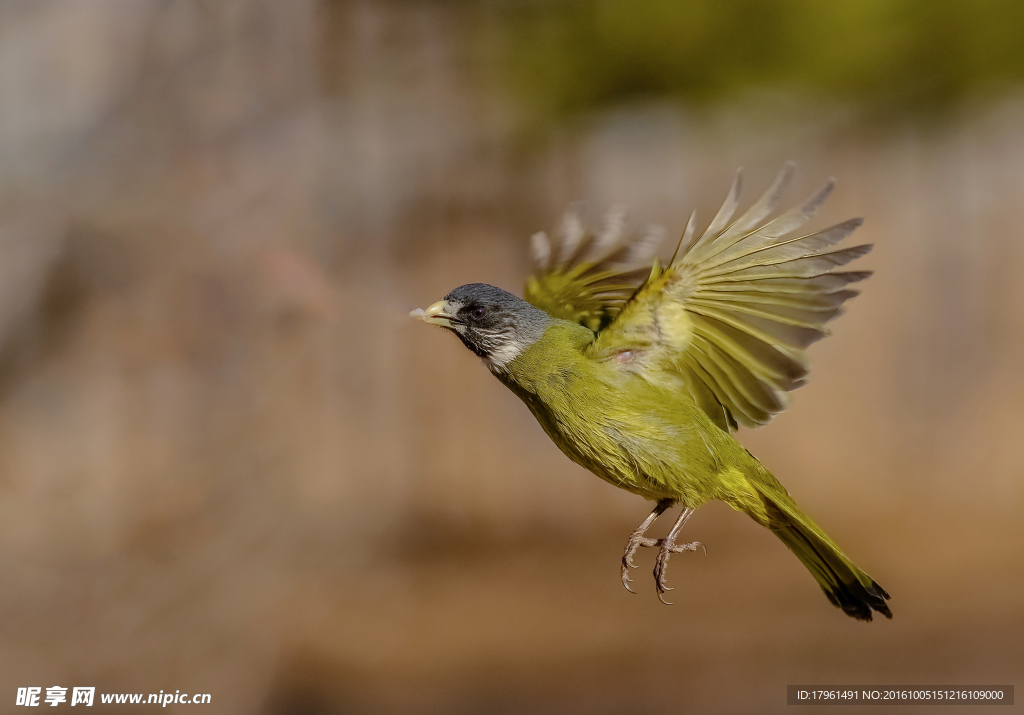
(846, 586)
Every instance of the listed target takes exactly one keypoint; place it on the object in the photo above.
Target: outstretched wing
(586, 277)
(733, 314)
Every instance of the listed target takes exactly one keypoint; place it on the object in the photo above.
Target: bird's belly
(642, 453)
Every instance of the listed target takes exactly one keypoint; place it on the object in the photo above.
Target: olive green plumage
(644, 384)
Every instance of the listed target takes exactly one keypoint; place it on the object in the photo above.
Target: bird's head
(493, 323)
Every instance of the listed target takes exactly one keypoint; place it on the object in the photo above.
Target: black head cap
(493, 323)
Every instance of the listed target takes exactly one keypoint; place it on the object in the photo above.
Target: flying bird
(641, 372)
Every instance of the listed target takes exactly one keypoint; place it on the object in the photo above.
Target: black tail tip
(858, 600)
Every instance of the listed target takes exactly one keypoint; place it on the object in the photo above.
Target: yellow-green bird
(645, 382)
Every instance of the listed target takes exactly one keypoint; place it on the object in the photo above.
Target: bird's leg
(667, 548)
(636, 540)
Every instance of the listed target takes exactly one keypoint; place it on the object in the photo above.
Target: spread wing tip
(540, 250)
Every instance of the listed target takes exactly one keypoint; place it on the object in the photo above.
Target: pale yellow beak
(436, 314)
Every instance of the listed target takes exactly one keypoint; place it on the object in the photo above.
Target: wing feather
(763, 207)
(731, 314)
(572, 234)
(578, 278)
(725, 212)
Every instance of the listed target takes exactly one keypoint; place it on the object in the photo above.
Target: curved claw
(659, 580)
(634, 543)
(668, 548)
(625, 578)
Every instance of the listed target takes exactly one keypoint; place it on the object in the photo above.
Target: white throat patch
(501, 357)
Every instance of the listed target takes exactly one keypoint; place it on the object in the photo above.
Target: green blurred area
(913, 56)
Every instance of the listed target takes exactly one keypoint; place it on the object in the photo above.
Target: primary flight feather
(641, 373)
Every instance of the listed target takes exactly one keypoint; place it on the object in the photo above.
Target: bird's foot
(636, 540)
(666, 547)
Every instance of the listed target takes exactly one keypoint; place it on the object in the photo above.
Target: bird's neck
(556, 349)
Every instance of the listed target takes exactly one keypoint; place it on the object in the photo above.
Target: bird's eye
(478, 312)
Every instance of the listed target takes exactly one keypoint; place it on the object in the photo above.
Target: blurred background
(225, 463)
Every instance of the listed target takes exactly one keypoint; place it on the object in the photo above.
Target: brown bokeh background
(230, 464)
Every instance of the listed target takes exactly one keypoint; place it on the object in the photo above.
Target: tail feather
(845, 585)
